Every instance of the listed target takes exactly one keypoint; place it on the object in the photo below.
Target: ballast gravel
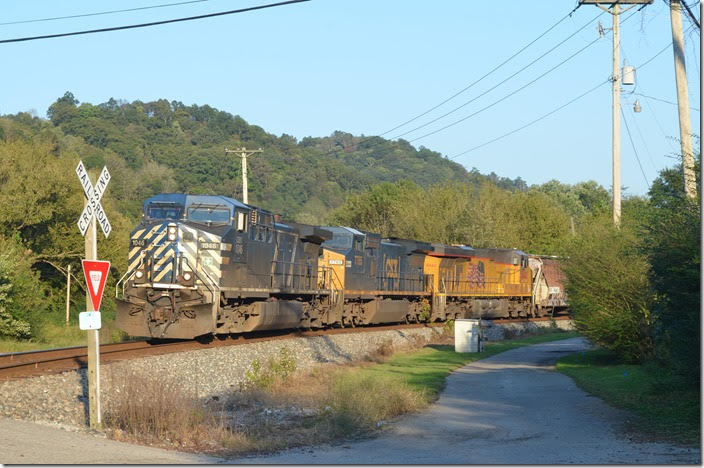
(62, 399)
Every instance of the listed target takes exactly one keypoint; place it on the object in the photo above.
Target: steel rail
(34, 363)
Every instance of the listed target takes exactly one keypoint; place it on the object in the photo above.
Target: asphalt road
(511, 408)
(23, 442)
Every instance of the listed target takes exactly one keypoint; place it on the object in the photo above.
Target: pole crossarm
(243, 153)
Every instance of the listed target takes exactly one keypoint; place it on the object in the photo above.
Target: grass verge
(51, 335)
(667, 409)
(425, 370)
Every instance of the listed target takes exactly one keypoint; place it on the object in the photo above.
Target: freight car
(202, 264)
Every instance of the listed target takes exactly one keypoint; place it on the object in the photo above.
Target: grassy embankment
(51, 335)
(666, 409)
(280, 407)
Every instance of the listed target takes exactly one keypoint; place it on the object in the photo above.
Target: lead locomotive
(201, 264)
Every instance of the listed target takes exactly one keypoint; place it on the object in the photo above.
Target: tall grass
(361, 402)
(159, 409)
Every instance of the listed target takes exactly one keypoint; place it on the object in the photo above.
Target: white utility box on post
(468, 336)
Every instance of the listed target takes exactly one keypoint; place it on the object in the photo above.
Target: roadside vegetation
(278, 406)
(635, 292)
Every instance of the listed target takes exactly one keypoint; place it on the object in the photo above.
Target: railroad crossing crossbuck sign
(93, 193)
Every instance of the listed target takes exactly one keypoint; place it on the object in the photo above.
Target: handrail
(123, 286)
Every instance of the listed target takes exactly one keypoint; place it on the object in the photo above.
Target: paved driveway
(511, 408)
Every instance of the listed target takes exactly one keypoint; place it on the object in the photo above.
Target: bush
(609, 289)
(20, 292)
(676, 258)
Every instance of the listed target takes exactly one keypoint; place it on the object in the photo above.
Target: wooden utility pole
(616, 117)
(615, 11)
(690, 186)
(68, 292)
(91, 240)
(92, 211)
(243, 153)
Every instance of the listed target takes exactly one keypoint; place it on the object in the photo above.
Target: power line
(533, 121)
(499, 83)
(550, 113)
(691, 15)
(101, 13)
(517, 90)
(642, 139)
(508, 95)
(654, 56)
(663, 100)
(153, 23)
(368, 139)
(652, 112)
(485, 75)
(628, 130)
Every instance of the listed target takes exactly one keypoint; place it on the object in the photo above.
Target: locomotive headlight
(139, 276)
(172, 232)
(186, 278)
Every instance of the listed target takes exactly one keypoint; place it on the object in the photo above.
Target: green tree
(674, 249)
(609, 288)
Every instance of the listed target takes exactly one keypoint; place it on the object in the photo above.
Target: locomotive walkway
(510, 408)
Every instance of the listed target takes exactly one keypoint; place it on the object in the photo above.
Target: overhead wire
(642, 139)
(501, 82)
(375, 137)
(549, 113)
(664, 100)
(39, 20)
(498, 101)
(544, 116)
(478, 80)
(515, 91)
(152, 23)
(628, 130)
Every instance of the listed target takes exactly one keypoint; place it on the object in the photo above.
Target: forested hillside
(168, 146)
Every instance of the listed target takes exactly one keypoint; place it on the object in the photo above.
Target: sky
(365, 67)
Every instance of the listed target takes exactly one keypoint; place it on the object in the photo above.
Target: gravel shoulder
(511, 408)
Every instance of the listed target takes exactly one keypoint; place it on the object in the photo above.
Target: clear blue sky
(365, 66)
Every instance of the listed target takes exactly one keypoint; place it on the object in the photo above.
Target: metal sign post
(93, 211)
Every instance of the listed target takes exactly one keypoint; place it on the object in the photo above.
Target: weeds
(276, 370)
(158, 409)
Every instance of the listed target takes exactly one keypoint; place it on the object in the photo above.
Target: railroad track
(33, 363)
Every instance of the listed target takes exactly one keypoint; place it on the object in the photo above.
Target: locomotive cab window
(359, 244)
(164, 211)
(209, 215)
